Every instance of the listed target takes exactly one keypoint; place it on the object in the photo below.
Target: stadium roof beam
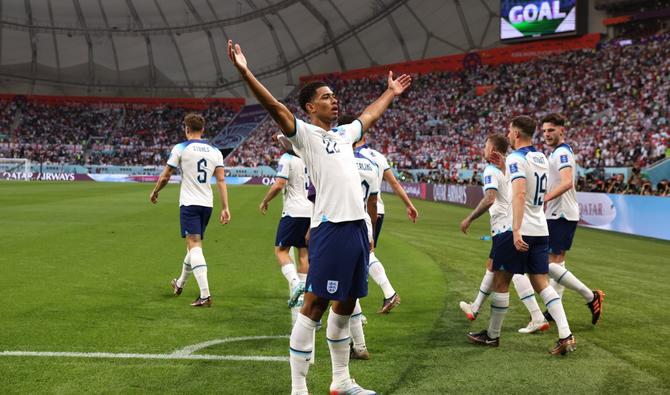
(53, 37)
(430, 34)
(89, 43)
(140, 30)
(273, 32)
(269, 72)
(492, 16)
(210, 40)
(464, 23)
(397, 32)
(295, 42)
(225, 37)
(176, 46)
(147, 41)
(33, 39)
(329, 31)
(358, 39)
(111, 39)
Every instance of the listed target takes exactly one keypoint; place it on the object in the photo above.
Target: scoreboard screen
(524, 20)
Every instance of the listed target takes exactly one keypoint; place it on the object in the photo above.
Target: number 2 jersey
(532, 165)
(293, 170)
(197, 160)
(331, 167)
(564, 206)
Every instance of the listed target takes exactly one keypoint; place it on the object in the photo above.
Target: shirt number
(331, 146)
(540, 189)
(202, 170)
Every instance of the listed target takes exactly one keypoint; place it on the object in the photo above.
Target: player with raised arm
(339, 245)
(562, 212)
(497, 199)
(198, 161)
(376, 269)
(524, 249)
(292, 180)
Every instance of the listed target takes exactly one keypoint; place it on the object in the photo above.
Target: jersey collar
(526, 149)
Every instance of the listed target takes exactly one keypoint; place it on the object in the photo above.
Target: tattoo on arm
(484, 204)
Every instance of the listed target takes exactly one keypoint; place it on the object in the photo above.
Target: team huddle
(333, 215)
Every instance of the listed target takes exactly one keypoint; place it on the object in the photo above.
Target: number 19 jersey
(197, 160)
(532, 165)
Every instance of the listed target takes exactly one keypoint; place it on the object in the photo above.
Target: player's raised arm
(277, 110)
(375, 110)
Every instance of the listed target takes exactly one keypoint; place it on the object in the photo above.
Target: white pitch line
(141, 356)
(185, 353)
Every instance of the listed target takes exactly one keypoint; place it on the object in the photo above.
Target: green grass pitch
(86, 268)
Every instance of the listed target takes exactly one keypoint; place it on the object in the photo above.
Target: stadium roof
(178, 47)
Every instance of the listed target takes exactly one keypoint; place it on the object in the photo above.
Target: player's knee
(282, 254)
(193, 241)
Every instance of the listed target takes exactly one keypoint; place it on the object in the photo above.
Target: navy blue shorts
(291, 232)
(194, 220)
(507, 257)
(378, 227)
(561, 233)
(338, 260)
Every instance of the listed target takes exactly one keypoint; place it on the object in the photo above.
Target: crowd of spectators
(85, 134)
(617, 100)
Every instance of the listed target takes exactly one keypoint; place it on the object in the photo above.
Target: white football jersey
(532, 165)
(197, 160)
(564, 206)
(383, 165)
(331, 167)
(501, 210)
(369, 173)
(293, 170)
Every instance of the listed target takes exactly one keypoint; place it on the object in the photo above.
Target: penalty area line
(142, 356)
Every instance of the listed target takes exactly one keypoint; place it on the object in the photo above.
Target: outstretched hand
(237, 57)
(399, 85)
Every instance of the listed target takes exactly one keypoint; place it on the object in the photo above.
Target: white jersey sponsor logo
(564, 206)
(197, 160)
(501, 210)
(331, 167)
(293, 170)
(532, 165)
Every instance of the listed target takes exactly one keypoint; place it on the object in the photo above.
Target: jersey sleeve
(565, 158)
(354, 130)
(516, 166)
(219, 159)
(300, 137)
(283, 167)
(490, 179)
(375, 185)
(381, 162)
(175, 157)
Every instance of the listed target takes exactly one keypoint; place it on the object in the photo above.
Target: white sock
(356, 326)
(337, 334)
(499, 305)
(558, 287)
(484, 291)
(199, 268)
(377, 272)
(563, 277)
(300, 350)
(302, 277)
(527, 295)
(185, 271)
(555, 307)
(288, 270)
